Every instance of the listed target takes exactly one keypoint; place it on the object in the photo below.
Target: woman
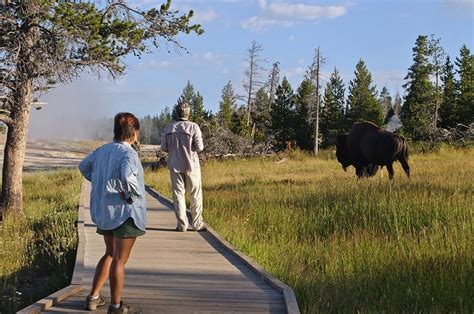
(117, 206)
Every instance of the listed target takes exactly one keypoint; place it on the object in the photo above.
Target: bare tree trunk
(316, 124)
(12, 187)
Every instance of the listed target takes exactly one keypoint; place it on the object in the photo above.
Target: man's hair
(125, 126)
(182, 110)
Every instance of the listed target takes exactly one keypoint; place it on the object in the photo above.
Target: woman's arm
(128, 177)
(85, 167)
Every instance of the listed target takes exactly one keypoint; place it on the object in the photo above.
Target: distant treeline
(438, 97)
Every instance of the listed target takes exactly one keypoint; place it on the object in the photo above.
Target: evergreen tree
(362, 100)
(448, 109)
(198, 114)
(386, 102)
(397, 104)
(465, 86)
(419, 105)
(437, 55)
(187, 96)
(261, 115)
(303, 123)
(283, 116)
(332, 115)
(239, 124)
(226, 105)
(146, 129)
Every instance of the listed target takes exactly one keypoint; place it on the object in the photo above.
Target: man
(182, 141)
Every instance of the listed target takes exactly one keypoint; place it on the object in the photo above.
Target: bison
(367, 146)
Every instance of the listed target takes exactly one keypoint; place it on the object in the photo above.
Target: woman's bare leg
(122, 248)
(103, 266)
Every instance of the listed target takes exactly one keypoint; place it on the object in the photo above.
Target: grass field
(37, 251)
(349, 245)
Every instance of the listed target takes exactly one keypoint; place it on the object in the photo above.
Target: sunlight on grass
(351, 245)
(37, 250)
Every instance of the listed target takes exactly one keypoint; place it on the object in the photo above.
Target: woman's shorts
(126, 230)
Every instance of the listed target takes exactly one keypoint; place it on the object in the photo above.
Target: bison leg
(390, 171)
(405, 166)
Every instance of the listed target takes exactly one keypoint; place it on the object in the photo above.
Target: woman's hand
(128, 200)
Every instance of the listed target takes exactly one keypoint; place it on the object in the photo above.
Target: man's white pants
(191, 182)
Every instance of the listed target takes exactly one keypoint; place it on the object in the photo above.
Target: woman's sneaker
(93, 304)
(124, 308)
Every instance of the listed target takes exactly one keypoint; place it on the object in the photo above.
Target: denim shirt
(115, 168)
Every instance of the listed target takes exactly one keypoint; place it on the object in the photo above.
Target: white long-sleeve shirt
(182, 140)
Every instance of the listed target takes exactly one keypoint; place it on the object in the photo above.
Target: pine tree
(283, 116)
(386, 102)
(397, 104)
(465, 86)
(362, 100)
(303, 122)
(332, 115)
(198, 114)
(448, 109)
(419, 105)
(226, 105)
(261, 115)
(437, 55)
(187, 96)
(239, 124)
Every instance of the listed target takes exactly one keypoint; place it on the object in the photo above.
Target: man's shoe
(124, 308)
(203, 229)
(92, 304)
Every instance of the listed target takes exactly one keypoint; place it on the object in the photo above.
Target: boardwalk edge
(288, 293)
(76, 281)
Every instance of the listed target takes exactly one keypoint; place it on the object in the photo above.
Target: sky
(381, 32)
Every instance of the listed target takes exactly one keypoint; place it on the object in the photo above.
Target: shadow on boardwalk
(173, 272)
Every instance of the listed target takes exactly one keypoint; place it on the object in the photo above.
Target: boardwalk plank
(173, 272)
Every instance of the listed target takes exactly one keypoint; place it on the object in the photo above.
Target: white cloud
(154, 64)
(258, 24)
(204, 16)
(305, 11)
(294, 72)
(212, 57)
(279, 13)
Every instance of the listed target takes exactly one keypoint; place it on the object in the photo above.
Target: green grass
(37, 250)
(349, 245)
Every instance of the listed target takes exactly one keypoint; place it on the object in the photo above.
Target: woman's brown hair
(125, 126)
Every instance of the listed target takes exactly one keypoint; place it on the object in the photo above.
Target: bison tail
(404, 148)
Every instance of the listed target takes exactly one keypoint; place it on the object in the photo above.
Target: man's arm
(164, 144)
(197, 144)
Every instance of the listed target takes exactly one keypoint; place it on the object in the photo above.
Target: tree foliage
(332, 115)
(362, 100)
(50, 41)
(283, 116)
(303, 123)
(226, 105)
(465, 86)
(419, 104)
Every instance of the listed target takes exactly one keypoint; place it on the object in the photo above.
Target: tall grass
(349, 245)
(37, 250)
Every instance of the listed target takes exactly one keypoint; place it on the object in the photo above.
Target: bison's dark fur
(367, 146)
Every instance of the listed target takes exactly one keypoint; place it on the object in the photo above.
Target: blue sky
(381, 32)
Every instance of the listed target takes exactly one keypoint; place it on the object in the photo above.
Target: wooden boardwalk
(173, 272)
